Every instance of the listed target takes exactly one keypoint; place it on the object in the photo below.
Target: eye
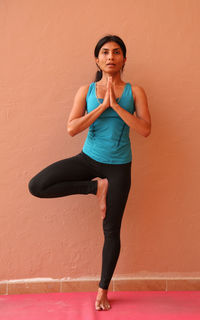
(117, 52)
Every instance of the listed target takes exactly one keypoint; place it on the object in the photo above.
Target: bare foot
(102, 302)
(102, 188)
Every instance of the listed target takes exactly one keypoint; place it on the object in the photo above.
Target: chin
(112, 72)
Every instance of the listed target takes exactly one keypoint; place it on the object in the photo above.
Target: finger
(112, 92)
(109, 83)
(108, 91)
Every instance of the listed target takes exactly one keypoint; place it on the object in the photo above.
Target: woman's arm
(142, 121)
(78, 120)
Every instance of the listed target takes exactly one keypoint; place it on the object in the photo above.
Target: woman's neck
(116, 78)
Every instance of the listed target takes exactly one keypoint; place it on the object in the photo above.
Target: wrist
(103, 106)
(115, 105)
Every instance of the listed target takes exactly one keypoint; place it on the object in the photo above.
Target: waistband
(94, 162)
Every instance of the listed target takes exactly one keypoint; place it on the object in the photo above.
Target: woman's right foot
(102, 188)
(102, 302)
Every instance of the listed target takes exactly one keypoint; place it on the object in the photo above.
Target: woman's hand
(106, 100)
(112, 96)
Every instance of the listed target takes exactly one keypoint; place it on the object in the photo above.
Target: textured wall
(46, 54)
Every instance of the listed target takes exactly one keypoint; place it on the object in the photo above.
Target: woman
(110, 104)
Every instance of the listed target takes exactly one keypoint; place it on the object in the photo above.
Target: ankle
(102, 290)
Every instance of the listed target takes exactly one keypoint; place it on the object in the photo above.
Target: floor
(137, 305)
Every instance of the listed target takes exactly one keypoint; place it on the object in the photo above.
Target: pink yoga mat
(125, 305)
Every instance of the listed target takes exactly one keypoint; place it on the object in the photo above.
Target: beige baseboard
(84, 285)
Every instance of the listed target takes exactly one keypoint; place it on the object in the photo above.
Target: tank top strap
(128, 88)
(90, 90)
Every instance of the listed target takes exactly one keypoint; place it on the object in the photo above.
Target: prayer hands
(109, 99)
(112, 95)
(106, 100)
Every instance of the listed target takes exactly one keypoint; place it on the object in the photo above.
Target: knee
(112, 233)
(33, 187)
(112, 228)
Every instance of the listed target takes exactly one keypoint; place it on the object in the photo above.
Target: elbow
(147, 132)
(146, 135)
(70, 131)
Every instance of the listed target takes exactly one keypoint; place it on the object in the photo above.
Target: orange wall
(46, 54)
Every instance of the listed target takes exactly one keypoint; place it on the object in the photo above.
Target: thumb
(109, 83)
(109, 80)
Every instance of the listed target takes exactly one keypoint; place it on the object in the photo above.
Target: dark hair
(101, 42)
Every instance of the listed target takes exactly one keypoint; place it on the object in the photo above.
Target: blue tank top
(108, 136)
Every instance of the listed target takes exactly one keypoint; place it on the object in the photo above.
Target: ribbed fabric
(108, 137)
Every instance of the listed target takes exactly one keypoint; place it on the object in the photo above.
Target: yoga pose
(109, 107)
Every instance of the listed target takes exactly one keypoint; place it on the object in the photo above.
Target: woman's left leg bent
(119, 178)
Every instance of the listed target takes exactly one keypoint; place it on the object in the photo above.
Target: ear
(96, 61)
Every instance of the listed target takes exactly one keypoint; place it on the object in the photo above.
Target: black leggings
(74, 176)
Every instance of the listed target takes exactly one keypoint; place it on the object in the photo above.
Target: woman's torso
(108, 137)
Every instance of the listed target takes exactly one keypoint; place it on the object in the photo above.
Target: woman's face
(110, 58)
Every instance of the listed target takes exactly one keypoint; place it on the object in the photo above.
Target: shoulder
(85, 87)
(83, 90)
(137, 91)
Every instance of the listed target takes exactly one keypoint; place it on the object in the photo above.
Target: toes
(102, 307)
(98, 308)
(97, 305)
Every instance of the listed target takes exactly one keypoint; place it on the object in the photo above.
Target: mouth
(110, 64)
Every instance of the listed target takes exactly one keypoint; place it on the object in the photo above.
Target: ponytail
(98, 75)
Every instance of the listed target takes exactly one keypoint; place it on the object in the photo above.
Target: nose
(110, 56)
